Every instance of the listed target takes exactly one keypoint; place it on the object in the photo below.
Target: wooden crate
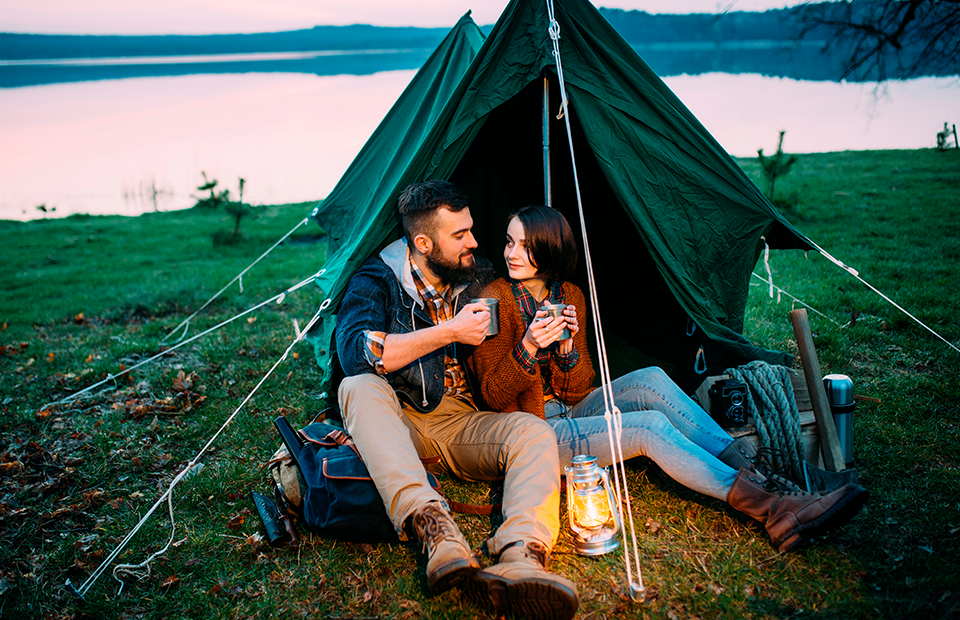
(808, 421)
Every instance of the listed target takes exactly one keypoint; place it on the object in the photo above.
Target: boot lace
(539, 552)
(764, 464)
(433, 525)
(533, 549)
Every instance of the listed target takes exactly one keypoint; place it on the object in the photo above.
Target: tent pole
(547, 190)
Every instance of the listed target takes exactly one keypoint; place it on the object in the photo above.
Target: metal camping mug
(839, 390)
(555, 310)
(493, 306)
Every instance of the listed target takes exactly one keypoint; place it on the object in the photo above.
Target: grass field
(84, 297)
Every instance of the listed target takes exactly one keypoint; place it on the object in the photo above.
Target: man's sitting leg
(373, 418)
(522, 449)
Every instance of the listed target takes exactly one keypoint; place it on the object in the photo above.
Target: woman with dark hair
(528, 367)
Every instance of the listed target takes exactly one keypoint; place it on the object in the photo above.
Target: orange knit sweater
(504, 385)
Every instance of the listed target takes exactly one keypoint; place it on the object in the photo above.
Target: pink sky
(225, 16)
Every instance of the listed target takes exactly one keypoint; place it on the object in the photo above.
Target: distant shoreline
(196, 59)
(737, 42)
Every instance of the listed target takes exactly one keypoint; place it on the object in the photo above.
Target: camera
(728, 402)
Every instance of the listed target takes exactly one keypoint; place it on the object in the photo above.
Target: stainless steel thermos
(839, 390)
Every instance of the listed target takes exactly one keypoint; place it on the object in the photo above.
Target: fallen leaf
(183, 382)
(653, 526)
(6, 468)
(169, 582)
(237, 520)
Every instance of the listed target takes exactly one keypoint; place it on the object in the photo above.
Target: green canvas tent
(675, 224)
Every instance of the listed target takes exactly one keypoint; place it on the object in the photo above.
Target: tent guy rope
(856, 275)
(185, 323)
(112, 377)
(142, 570)
(611, 411)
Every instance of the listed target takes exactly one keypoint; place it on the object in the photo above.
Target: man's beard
(452, 273)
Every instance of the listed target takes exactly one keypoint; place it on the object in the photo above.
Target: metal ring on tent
(323, 306)
(700, 364)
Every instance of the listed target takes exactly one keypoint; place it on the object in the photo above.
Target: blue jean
(659, 421)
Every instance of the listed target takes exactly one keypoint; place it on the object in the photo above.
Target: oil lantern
(591, 507)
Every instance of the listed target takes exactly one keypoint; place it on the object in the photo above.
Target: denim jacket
(381, 297)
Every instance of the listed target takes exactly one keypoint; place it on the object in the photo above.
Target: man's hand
(470, 325)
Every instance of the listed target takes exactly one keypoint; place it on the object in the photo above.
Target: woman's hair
(549, 241)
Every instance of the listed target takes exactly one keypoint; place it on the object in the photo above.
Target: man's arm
(468, 327)
(364, 308)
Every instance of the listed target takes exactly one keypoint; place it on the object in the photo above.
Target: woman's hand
(543, 332)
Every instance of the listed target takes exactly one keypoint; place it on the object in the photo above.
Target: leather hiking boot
(520, 585)
(449, 558)
(792, 518)
(742, 454)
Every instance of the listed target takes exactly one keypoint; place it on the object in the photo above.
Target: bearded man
(404, 330)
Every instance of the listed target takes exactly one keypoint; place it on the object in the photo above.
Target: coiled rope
(777, 419)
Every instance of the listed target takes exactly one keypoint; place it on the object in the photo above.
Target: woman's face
(519, 265)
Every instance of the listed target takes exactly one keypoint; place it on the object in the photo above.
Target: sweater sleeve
(500, 376)
(572, 384)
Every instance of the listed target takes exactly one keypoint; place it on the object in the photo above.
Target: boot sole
(839, 515)
(534, 598)
(452, 575)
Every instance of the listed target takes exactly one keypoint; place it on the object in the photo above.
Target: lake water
(127, 146)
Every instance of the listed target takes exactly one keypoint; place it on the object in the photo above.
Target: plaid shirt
(528, 309)
(439, 306)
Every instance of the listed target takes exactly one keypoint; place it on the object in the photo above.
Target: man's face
(451, 258)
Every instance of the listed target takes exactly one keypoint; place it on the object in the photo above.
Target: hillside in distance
(764, 43)
(637, 27)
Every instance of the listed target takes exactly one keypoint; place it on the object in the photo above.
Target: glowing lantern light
(591, 508)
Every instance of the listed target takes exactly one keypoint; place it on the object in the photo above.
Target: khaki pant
(472, 445)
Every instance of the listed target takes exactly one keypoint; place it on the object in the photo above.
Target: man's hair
(549, 240)
(420, 202)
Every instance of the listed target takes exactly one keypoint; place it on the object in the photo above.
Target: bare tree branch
(883, 39)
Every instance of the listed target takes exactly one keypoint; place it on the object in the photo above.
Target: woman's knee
(651, 375)
(651, 421)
